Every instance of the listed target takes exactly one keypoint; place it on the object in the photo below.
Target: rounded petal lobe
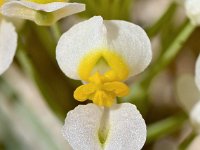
(187, 92)
(81, 127)
(127, 128)
(193, 10)
(197, 72)
(131, 42)
(195, 116)
(8, 45)
(74, 44)
(42, 14)
(96, 128)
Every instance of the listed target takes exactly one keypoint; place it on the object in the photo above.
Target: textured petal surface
(8, 44)
(77, 42)
(131, 42)
(195, 116)
(125, 127)
(81, 127)
(193, 10)
(30, 10)
(187, 92)
(126, 39)
(197, 73)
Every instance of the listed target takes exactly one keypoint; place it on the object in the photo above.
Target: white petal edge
(197, 72)
(81, 127)
(187, 92)
(195, 116)
(193, 11)
(126, 39)
(127, 128)
(131, 42)
(28, 10)
(8, 44)
(74, 44)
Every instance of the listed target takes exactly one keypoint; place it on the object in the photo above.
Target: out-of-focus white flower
(8, 44)
(42, 12)
(188, 89)
(96, 128)
(103, 54)
(193, 11)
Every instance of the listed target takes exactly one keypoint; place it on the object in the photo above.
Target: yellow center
(103, 70)
(46, 1)
(101, 91)
(1, 2)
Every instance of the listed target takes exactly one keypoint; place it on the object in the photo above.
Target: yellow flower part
(103, 70)
(1, 2)
(46, 1)
(103, 60)
(103, 54)
(101, 91)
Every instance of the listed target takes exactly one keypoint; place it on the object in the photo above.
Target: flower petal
(195, 116)
(50, 12)
(126, 127)
(79, 40)
(187, 91)
(127, 40)
(131, 42)
(8, 45)
(193, 10)
(81, 127)
(197, 72)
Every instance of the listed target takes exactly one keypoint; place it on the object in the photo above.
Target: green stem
(46, 39)
(184, 145)
(165, 127)
(154, 29)
(105, 9)
(93, 6)
(115, 9)
(125, 9)
(56, 31)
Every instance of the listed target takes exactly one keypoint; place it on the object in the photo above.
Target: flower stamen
(101, 90)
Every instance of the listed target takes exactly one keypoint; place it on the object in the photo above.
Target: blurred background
(35, 95)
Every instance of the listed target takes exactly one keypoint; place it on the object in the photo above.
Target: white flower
(103, 54)
(42, 12)
(193, 11)
(89, 127)
(189, 95)
(8, 44)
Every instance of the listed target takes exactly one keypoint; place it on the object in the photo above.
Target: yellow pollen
(100, 90)
(46, 1)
